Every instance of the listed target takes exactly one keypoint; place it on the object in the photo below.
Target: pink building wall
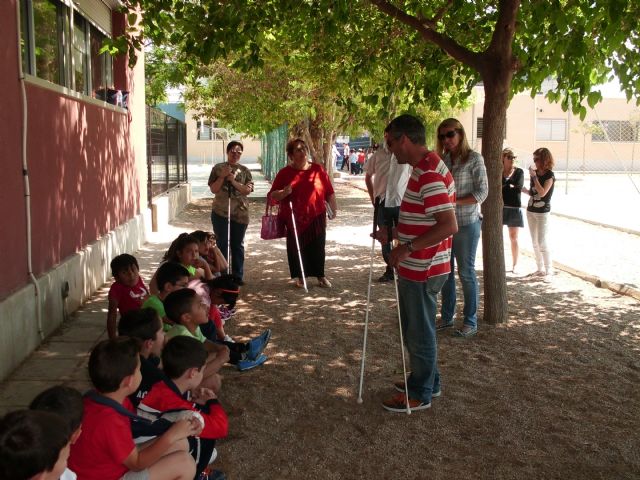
(82, 169)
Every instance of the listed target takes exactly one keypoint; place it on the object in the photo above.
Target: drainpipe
(25, 175)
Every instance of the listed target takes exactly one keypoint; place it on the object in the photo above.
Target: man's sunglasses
(449, 134)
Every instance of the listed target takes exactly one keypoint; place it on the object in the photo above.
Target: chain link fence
(274, 155)
(166, 152)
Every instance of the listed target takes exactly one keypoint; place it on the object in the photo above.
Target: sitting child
(66, 402)
(127, 292)
(183, 362)
(33, 445)
(189, 311)
(184, 250)
(106, 450)
(210, 252)
(223, 292)
(186, 309)
(170, 276)
(145, 326)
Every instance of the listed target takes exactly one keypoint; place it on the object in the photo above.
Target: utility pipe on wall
(25, 176)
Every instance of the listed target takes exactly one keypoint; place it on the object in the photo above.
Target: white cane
(295, 232)
(229, 230)
(404, 363)
(376, 206)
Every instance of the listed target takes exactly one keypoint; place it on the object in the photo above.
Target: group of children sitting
(154, 411)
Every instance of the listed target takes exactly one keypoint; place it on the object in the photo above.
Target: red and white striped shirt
(430, 190)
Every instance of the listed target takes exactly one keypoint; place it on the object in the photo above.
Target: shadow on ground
(551, 394)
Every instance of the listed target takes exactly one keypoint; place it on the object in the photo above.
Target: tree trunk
(494, 119)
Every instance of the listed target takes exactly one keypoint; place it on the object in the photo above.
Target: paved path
(588, 249)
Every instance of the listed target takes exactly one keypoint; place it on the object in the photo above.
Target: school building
(606, 141)
(73, 145)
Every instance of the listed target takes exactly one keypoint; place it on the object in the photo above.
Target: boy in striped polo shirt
(422, 257)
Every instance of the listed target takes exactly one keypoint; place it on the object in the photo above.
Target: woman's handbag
(272, 225)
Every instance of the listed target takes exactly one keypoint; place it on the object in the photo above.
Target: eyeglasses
(449, 134)
(237, 151)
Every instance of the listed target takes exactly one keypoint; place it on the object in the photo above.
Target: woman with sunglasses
(231, 183)
(512, 183)
(539, 208)
(470, 176)
(307, 186)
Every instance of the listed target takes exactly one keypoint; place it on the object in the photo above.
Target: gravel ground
(551, 394)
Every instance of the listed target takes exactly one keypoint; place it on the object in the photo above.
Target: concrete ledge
(167, 206)
(62, 290)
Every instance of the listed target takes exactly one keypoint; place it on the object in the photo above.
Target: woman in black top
(512, 183)
(539, 208)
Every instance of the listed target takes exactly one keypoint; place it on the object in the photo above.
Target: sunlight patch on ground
(343, 392)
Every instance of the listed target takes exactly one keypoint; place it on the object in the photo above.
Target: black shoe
(386, 277)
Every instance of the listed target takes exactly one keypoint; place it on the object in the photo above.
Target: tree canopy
(396, 55)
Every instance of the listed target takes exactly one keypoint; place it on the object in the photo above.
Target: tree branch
(426, 30)
(503, 33)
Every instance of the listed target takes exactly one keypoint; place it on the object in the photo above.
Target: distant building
(607, 140)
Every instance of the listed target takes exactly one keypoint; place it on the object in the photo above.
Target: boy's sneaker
(399, 386)
(227, 338)
(258, 344)
(247, 364)
(398, 404)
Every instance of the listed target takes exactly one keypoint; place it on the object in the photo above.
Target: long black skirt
(312, 255)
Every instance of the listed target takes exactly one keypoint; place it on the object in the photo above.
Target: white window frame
(551, 129)
(66, 11)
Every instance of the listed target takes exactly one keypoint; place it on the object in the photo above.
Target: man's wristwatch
(409, 246)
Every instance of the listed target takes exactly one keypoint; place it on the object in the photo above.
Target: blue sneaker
(258, 344)
(249, 364)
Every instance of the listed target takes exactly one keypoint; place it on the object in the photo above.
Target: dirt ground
(554, 393)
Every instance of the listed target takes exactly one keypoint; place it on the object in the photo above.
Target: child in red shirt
(127, 292)
(183, 361)
(105, 450)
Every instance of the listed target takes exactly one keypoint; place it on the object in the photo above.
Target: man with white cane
(421, 257)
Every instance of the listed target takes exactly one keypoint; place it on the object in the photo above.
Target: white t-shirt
(396, 182)
(378, 167)
(68, 475)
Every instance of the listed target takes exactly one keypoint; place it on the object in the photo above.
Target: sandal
(299, 283)
(323, 282)
(462, 333)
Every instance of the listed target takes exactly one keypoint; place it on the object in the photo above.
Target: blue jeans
(418, 305)
(387, 216)
(237, 242)
(463, 251)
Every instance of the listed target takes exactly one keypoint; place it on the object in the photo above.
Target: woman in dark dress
(512, 183)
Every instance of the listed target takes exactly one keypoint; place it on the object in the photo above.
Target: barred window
(616, 130)
(551, 129)
(206, 129)
(480, 128)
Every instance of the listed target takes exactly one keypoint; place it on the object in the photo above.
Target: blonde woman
(470, 176)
